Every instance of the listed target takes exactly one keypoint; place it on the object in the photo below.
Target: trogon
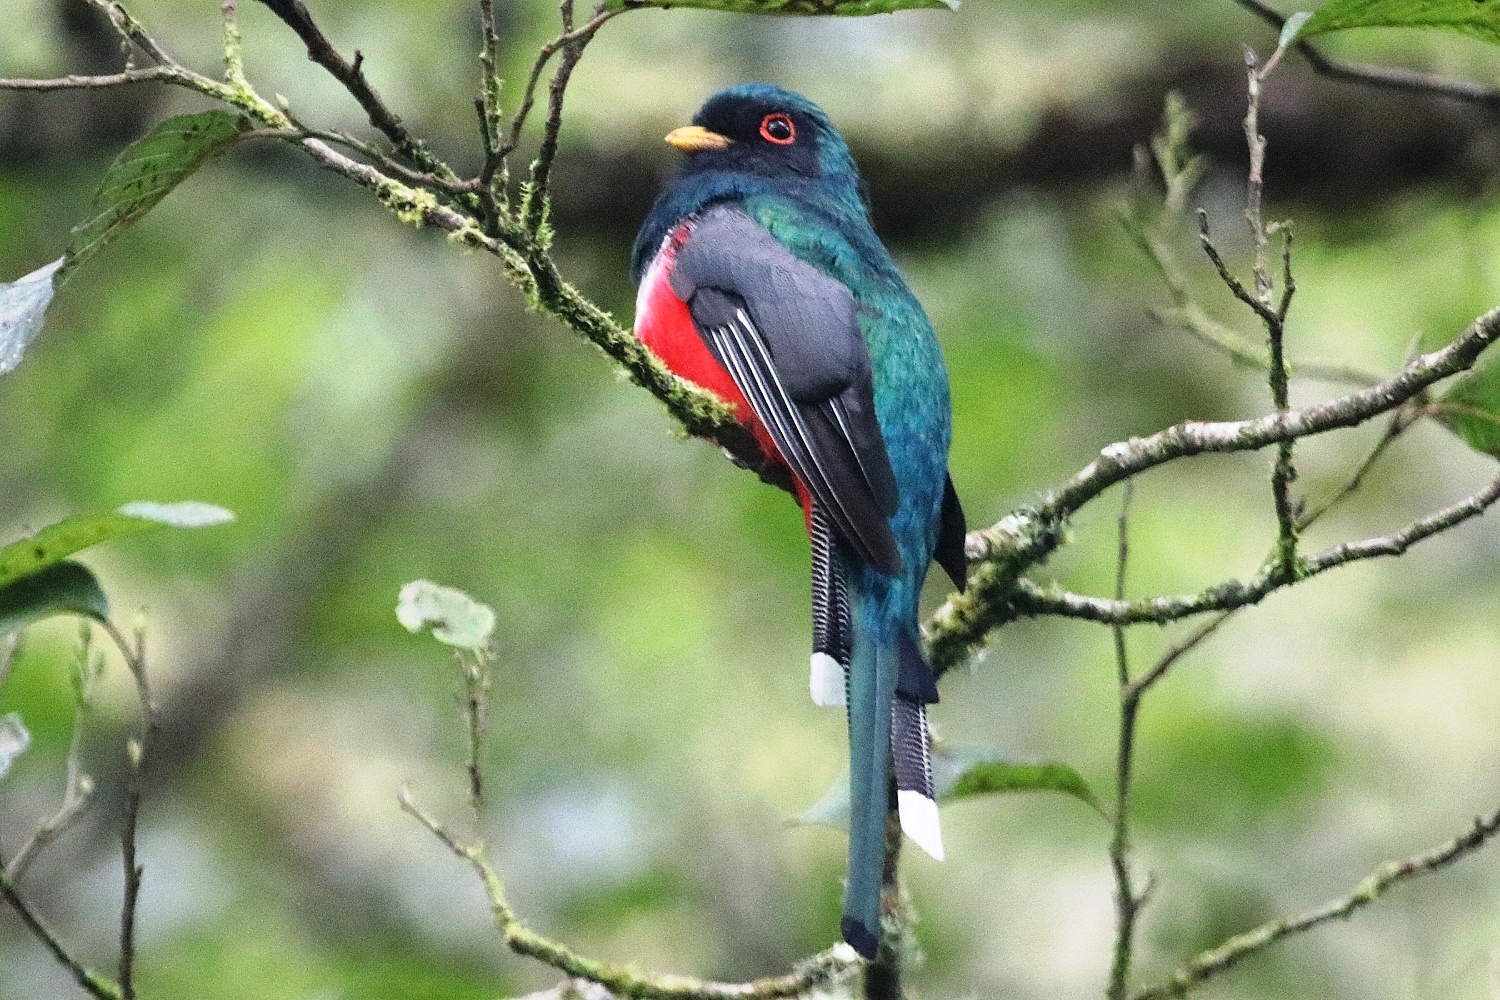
(762, 281)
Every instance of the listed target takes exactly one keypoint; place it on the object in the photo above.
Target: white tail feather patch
(826, 681)
(919, 821)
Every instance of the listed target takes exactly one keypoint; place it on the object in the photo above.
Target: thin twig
(1216, 960)
(351, 76)
(137, 752)
(1159, 670)
(537, 193)
(1283, 471)
(77, 794)
(1127, 901)
(544, 55)
(93, 984)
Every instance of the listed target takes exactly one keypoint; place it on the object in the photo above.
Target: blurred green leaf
(61, 589)
(960, 772)
(14, 739)
(843, 8)
(146, 172)
(963, 772)
(1472, 17)
(1470, 407)
(456, 618)
(58, 541)
(23, 309)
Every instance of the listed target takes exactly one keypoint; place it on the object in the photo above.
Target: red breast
(665, 326)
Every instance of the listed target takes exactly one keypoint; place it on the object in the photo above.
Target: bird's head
(759, 129)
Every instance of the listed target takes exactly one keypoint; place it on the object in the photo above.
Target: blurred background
(377, 406)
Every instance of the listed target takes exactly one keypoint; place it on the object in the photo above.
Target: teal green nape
(762, 281)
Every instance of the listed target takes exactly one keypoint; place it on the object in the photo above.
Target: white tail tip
(919, 821)
(826, 681)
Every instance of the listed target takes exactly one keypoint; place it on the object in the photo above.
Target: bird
(761, 281)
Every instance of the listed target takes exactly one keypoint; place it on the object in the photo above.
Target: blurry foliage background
(378, 407)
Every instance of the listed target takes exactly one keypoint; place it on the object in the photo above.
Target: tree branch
(1026, 537)
(1030, 598)
(1225, 956)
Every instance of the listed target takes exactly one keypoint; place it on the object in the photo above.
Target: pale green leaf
(14, 739)
(61, 540)
(960, 772)
(1472, 17)
(455, 617)
(963, 772)
(65, 588)
(23, 309)
(1471, 407)
(840, 8)
(147, 171)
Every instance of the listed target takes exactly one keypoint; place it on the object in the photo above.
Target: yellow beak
(696, 139)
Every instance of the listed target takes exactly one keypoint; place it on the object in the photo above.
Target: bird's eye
(779, 129)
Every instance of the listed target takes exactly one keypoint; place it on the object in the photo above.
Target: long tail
(886, 689)
(888, 686)
(873, 674)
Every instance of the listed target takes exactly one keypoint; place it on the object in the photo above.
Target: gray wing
(789, 337)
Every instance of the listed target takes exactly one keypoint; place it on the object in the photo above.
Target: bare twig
(1127, 901)
(93, 984)
(1216, 960)
(77, 795)
(1283, 471)
(573, 42)
(137, 751)
(544, 55)
(351, 76)
(1389, 78)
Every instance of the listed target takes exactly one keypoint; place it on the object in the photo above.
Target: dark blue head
(751, 139)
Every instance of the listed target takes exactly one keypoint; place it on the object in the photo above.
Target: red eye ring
(778, 128)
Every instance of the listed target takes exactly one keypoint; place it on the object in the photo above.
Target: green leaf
(1472, 17)
(1470, 407)
(963, 772)
(843, 8)
(14, 739)
(59, 541)
(67, 588)
(147, 171)
(456, 618)
(960, 772)
(23, 308)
